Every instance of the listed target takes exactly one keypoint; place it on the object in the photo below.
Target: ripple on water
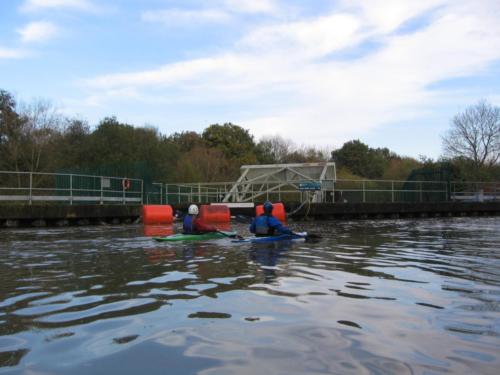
(168, 277)
(21, 298)
(107, 310)
(415, 296)
(58, 303)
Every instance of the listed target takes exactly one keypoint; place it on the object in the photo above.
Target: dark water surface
(401, 297)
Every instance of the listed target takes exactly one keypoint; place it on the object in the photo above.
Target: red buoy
(157, 214)
(158, 230)
(215, 213)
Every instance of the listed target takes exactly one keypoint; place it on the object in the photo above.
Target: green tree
(186, 141)
(10, 125)
(360, 159)
(71, 150)
(234, 141)
(202, 164)
(400, 168)
(133, 151)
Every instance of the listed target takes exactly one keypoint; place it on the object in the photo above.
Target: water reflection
(267, 256)
(372, 297)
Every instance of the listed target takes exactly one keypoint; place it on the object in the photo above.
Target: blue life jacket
(268, 225)
(188, 225)
(262, 227)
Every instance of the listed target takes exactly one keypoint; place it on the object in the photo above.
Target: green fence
(69, 188)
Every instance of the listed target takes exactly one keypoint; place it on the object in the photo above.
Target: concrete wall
(394, 210)
(12, 215)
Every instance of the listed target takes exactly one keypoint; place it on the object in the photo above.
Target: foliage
(27, 133)
(273, 150)
(10, 123)
(361, 159)
(399, 168)
(35, 137)
(234, 141)
(186, 141)
(202, 164)
(344, 173)
(276, 149)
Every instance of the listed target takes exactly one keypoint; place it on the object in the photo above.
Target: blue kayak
(267, 239)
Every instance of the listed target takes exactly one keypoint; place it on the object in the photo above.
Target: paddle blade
(312, 237)
(230, 234)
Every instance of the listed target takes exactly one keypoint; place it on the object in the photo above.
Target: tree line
(35, 137)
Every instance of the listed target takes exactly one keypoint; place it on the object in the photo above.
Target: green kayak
(195, 237)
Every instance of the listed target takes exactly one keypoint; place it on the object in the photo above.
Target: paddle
(229, 234)
(310, 237)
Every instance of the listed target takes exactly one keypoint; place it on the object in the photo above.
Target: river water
(381, 297)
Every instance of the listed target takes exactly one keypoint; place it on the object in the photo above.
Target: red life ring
(126, 184)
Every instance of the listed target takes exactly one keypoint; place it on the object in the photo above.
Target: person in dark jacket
(267, 225)
(192, 224)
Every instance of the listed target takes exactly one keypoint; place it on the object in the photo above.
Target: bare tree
(475, 135)
(41, 123)
(275, 149)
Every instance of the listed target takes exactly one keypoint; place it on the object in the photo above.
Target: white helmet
(193, 210)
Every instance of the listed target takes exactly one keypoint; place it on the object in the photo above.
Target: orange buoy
(157, 214)
(278, 211)
(158, 230)
(215, 213)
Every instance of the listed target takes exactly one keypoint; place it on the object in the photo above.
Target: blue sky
(389, 72)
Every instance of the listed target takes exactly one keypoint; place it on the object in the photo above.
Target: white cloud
(36, 5)
(177, 17)
(39, 31)
(387, 15)
(283, 79)
(217, 12)
(12, 53)
(306, 39)
(251, 6)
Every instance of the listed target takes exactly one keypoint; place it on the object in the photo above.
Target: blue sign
(310, 186)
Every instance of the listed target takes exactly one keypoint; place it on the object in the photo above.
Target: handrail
(63, 187)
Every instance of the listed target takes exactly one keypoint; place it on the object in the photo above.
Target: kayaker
(194, 225)
(267, 225)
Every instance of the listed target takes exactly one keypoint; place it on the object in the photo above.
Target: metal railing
(69, 188)
(155, 195)
(87, 189)
(346, 191)
(475, 191)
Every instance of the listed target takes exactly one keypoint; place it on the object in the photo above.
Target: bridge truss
(259, 180)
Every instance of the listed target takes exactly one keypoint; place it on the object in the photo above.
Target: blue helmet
(268, 207)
